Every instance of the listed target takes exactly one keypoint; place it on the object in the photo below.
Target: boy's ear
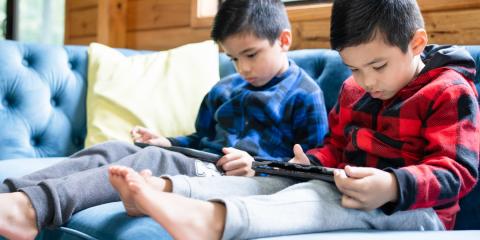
(285, 39)
(419, 41)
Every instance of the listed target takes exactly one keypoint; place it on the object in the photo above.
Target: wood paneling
(83, 22)
(112, 22)
(161, 39)
(163, 24)
(311, 34)
(447, 5)
(80, 21)
(311, 12)
(153, 14)
(453, 27)
(81, 4)
(82, 40)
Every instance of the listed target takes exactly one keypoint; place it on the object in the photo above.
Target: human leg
(198, 187)
(312, 206)
(17, 217)
(55, 200)
(226, 186)
(93, 157)
(147, 198)
(302, 208)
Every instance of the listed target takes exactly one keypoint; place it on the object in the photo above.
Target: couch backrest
(42, 92)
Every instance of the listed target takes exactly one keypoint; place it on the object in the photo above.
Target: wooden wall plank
(453, 27)
(112, 23)
(81, 4)
(166, 38)
(152, 14)
(163, 24)
(442, 5)
(311, 34)
(321, 11)
(83, 22)
(81, 40)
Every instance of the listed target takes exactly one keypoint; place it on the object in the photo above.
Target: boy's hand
(300, 156)
(366, 188)
(236, 163)
(144, 135)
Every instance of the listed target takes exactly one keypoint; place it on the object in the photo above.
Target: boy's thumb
(300, 156)
(226, 150)
(358, 172)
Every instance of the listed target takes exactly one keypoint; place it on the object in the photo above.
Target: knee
(115, 143)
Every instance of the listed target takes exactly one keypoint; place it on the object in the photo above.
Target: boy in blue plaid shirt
(262, 110)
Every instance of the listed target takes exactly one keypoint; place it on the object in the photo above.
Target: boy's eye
(353, 70)
(251, 55)
(234, 59)
(380, 67)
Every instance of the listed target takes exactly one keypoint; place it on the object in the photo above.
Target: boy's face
(256, 60)
(381, 69)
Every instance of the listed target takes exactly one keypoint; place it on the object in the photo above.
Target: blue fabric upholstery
(42, 116)
(42, 93)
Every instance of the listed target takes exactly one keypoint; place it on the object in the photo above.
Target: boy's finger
(358, 172)
(227, 150)
(228, 157)
(232, 165)
(349, 202)
(346, 184)
(300, 156)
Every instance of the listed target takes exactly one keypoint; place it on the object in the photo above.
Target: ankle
(219, 217)
(26, 206)
(167, 185)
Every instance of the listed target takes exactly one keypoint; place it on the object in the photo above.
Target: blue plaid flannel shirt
(263, 121)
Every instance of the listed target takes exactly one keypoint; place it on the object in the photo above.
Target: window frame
(296, 12)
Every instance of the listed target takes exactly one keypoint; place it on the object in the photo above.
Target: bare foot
(17, 217)
(117, 175)
(182, 217)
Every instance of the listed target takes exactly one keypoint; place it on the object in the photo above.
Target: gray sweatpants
(81, 181)
(270, 206)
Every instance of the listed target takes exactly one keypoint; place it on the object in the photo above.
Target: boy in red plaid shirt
(405, 131)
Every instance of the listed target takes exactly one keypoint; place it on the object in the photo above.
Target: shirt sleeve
(449, 169)
(310, 123)
(204, 125)
(330, 153)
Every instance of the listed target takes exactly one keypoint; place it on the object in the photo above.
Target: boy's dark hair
(264, 19)
(355, 22)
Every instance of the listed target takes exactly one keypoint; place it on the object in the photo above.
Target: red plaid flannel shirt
(427, 135)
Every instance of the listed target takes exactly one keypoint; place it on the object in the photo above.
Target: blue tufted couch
(42, 120)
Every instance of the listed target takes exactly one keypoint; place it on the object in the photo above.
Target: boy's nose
(243, 68)
(369, 84)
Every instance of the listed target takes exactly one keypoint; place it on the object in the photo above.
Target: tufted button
(8, 101)
(53, 102)
(70, 65)
(34, 141)
(25, 62)
(5, 102)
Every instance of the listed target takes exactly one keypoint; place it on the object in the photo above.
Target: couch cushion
(50, 78)
(160, 90)
(110, 221)
(22, 166)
